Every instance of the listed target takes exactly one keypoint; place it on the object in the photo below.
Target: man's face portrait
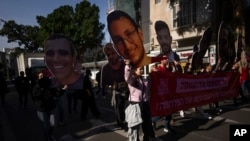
(128, 40)
(164, 40)
(59, 58)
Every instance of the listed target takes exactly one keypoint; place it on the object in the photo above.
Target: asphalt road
(17, 124)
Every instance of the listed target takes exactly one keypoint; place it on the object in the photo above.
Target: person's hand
(126, 61)
(65, 87)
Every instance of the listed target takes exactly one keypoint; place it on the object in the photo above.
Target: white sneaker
(182, 114)
(165, 130)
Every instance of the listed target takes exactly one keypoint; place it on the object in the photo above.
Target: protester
(167, 128)
(170, 64)
(188, 66)
(45, 104)
(60, 58)
(32, 80)
(22, 86)
(138, 95)
(214, 107)
(113, 72)
(89, 98)
(244, 76)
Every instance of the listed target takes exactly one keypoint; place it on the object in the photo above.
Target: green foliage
(93, 55)
(81, 24)
(24, 35)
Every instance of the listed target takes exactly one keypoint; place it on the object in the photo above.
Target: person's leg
(25, 97)
(84, 107)
(117, 111)
(75, 101)
(92, 105)
(43, 117)
(247, 86)
(168, 127)
(103, 92)
(133, 133)
(98, 90)
(242, 89)
(51, 124)
(147, 127)
(121, 105)
(69, 102)
(202, 113)
(20, 97)
(60, 110)
(154, 120)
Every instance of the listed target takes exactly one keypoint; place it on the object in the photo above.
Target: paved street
(18, 124)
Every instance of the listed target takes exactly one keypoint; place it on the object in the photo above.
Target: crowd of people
(123, 73)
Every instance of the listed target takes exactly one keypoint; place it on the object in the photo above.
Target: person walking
(113, 73)
(138, 95)
(89, 99)
(22, 86)
(45, 105)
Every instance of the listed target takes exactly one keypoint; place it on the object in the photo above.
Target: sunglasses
(60, 52)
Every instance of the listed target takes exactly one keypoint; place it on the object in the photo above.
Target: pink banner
(171, 92)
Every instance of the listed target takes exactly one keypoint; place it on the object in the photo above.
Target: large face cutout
(164, 40)
(128, 40)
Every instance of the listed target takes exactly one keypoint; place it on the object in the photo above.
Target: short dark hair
(159, 25)
(44, 82)
(116, 15)
(60, 36)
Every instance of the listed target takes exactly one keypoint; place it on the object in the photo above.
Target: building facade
(187, 20)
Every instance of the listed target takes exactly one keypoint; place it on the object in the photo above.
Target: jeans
(245, 85)
(167, 120)
(48, 120)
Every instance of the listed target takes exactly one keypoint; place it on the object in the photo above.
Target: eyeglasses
(128, 37)
(60, 52)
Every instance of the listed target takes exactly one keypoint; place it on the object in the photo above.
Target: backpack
(44, 99)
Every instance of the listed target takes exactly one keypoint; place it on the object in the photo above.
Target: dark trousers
(99, 89)
(2, 97)
(120, 106)
(71, 97)
(88, 102)
(147, 127)
(23, 98)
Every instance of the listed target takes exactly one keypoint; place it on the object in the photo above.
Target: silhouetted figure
(22, 86)
(89, 98)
